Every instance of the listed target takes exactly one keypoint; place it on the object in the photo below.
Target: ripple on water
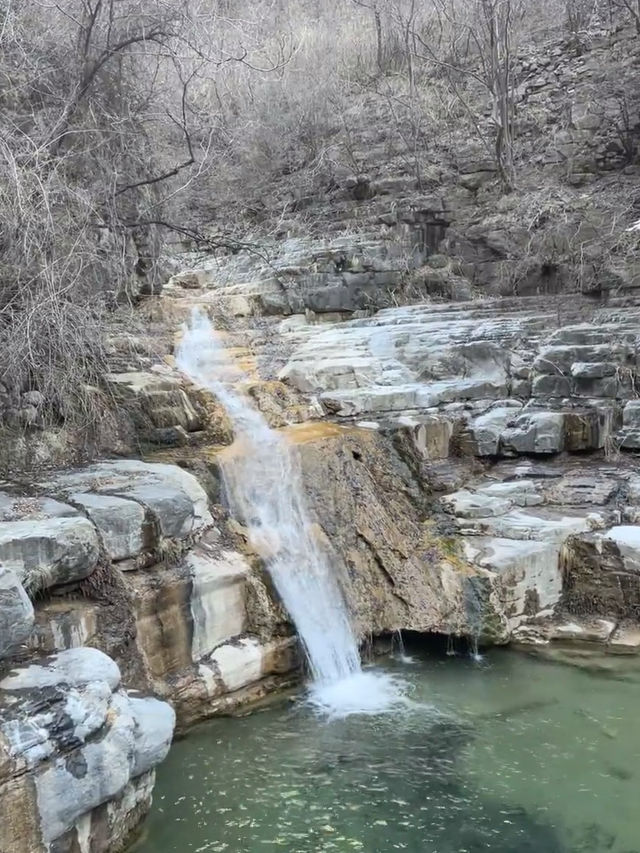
(516, 756)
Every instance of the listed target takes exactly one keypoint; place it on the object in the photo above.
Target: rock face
(133, 587)
(16, 612)
(76, 754)
(427, 472)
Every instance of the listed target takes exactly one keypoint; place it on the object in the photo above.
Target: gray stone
(629, 435)
(73, 667)
(16, 612)
(631, 414)
(465, 504)
(593, 369)
(606, 386)
(81, 741)
(218, 605)
(487, 429)
(539, 432)
(120, 523)
(27, 508)
(173, 496)
(559, 359)
(172, 508)
(518, 492)
(153, 732)
(50, 551)
(546, 385)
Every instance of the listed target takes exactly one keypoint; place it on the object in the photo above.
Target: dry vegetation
(127, 123)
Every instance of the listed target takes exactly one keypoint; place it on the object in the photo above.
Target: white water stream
(264, 490)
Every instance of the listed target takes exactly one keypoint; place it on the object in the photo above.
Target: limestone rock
(33, 508)
(539, 432)
(16, 612)
(245, 661)
(218, 606)
(529, 574)
(630, 433)
(486, 429)
(76, 742)
(592, 369)
(157, 401)
(75, 667)
(602, 573)
(625, 640)
(172, 496)
(120, 523)
(469, 505)
(50, 551)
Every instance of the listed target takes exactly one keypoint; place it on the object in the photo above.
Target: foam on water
(264, 488)
(364, 692)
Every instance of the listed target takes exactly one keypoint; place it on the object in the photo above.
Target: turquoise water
(512, 755)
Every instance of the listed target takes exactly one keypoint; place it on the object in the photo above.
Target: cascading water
(264, 489)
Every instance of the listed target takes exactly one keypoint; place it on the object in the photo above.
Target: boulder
(120, 523)
(173, 497)
(50, 551)
(16, 612)
(536, 432)
(71, 742)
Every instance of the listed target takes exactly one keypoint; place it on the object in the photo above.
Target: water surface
(513, 755)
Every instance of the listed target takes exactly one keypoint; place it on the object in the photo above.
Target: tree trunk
(379, 45)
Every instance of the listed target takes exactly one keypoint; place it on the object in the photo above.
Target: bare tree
(100, 135)
(632, 7)
(374, 7)
(478, 47)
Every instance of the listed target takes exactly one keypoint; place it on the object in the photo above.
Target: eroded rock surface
(115, 577)
(77, 754)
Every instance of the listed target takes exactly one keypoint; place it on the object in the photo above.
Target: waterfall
(264, 488)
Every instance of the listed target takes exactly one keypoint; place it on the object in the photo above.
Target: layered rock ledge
(120, 601)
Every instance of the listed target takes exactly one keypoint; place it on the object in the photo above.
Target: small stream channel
(510, 755)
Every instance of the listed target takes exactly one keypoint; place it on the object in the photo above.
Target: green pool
(509, 755)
